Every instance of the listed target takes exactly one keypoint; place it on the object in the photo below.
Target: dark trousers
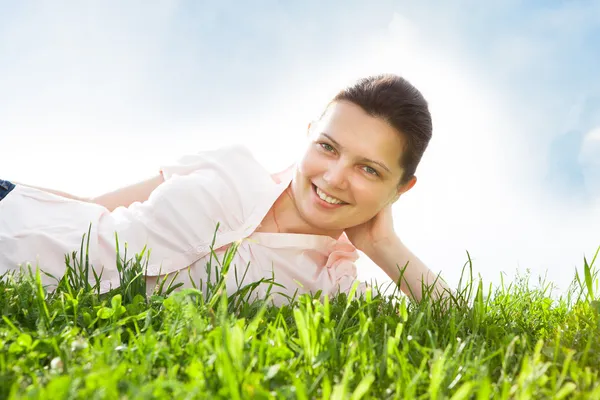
(5, 188)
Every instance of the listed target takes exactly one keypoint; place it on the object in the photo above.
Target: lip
(323, 203)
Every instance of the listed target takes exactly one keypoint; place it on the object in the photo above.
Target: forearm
(57, 192)
(123, 197)
(392, 256)
(126, 196)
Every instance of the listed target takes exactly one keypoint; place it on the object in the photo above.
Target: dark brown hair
(400, 104)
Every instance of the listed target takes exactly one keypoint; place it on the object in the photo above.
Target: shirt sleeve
(223, 186)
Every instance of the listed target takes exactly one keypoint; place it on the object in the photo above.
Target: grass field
(510, 342)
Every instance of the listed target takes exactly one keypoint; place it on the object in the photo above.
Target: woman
(303, 224)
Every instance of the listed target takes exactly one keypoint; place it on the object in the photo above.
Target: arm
(56, 192)
(124, 196)
(128, 195)
(392, 255)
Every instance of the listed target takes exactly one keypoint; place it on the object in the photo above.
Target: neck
(288, 219)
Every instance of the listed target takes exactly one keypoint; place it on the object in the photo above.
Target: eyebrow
(382, 165)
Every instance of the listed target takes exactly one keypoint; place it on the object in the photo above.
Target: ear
(404, 188)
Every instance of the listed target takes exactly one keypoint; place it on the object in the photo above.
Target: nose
(335, 176)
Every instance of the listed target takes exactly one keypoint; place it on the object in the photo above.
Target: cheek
(309, 165)
(368, 198)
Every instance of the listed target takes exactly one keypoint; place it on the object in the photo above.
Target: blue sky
(95, 95)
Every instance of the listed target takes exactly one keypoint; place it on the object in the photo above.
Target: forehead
(361, 134)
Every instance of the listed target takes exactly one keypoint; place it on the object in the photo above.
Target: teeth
(328, 199)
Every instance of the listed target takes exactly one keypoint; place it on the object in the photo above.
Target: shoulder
(226, 174)
(231, 157)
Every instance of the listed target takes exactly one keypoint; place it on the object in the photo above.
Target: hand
(378, 229)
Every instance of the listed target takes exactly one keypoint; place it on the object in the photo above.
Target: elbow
(102, 202)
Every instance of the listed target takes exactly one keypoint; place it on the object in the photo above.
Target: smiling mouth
(341, 203)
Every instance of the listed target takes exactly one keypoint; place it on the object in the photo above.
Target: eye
(371, 171)
(326, 146)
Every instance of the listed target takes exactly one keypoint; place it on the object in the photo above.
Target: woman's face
(353, 158)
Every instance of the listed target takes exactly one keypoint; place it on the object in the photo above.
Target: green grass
(510, 342)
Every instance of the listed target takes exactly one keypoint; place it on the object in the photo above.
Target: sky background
(97, 95)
